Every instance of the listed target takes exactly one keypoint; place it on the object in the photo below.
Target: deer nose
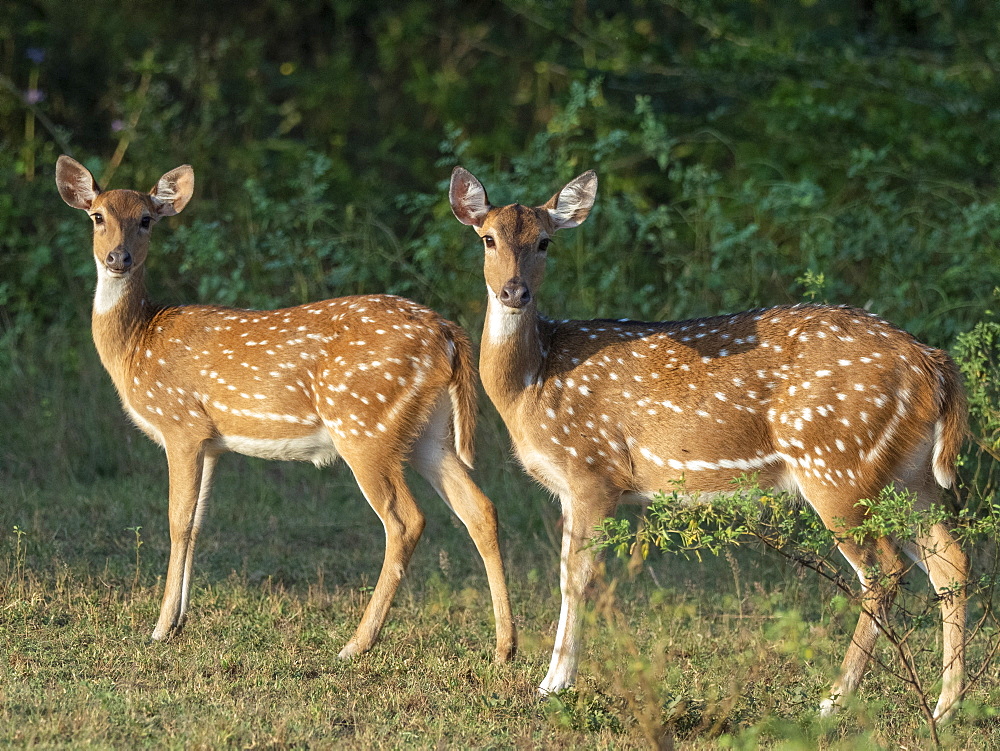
(515, 294)
(118, 261)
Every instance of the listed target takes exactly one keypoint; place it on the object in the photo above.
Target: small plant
(138, 544)
(582, 711)
(978, 353)
(19, 559)
(690, 525)
(693, 525)
(815, 285)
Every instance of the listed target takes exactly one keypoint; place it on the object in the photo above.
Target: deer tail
(951, 425)
(462, 389)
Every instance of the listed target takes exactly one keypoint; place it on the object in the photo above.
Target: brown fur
(378, 380)
(830, 402)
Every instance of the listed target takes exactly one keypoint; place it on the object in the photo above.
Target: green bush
(739, 147)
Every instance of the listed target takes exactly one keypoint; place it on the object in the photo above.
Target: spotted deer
(830, 403)
(377, 380)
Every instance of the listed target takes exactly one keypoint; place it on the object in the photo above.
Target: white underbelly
(316, 447)
(546, 471)
(146, 426)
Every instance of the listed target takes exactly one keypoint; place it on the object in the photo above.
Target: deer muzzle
(118, 261)
(515, 294)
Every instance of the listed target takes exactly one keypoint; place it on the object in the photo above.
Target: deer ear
(173, 191)
(571, 205)
(468, 198)
(76, 185)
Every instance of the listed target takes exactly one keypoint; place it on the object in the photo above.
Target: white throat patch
(502, 322)
(110, 290)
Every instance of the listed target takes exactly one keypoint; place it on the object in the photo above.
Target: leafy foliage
(978, 353)
(687, 525)
(740, 147)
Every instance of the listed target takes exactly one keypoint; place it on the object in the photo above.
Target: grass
(727, 653)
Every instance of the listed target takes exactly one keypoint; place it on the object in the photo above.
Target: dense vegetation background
(740, 145)
(750, 153)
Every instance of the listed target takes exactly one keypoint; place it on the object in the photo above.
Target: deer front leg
(207, 471)
(190, 477)
(576, 570)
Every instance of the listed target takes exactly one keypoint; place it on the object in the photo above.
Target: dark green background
(740, 145)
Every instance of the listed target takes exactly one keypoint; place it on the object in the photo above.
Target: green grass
(730, 652)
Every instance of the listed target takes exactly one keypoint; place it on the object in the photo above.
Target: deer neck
(121, 317)
(512, 354)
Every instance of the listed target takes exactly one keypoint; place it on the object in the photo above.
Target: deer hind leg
(582, 512)
(877, 564)
(435, 459)
(381, 480)
(947, 567)
(190, 471)
(878, 567)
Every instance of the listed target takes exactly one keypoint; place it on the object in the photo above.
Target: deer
(375, 379)
(829, 403)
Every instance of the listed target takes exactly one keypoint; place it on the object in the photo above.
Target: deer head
(516, 238)
(122, 218)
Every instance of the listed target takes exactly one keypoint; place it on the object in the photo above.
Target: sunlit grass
(727, 652)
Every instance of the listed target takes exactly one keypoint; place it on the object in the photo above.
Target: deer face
(122, 219)
(516, 238)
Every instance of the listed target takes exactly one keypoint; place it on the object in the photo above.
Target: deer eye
(543, 245)
(145, 222)
(488, 241)
(98, 217)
